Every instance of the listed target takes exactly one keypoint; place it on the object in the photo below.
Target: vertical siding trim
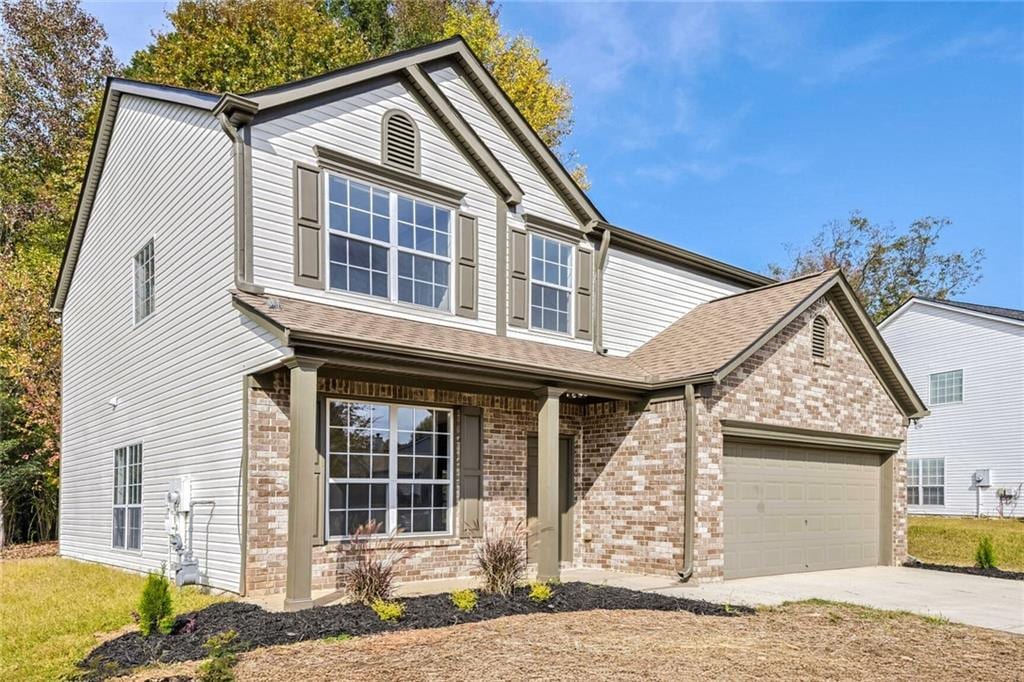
(501, 267)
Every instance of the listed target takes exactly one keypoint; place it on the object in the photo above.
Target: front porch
(596, 479)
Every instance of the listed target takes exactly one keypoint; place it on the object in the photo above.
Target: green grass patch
(52, 609)
(953, 541)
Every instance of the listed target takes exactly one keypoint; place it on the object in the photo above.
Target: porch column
(301, 489)
(548, 513)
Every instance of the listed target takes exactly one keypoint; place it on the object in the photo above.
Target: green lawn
(951, 540)
(52, 609)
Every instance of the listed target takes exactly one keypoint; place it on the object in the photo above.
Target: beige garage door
(790, 509)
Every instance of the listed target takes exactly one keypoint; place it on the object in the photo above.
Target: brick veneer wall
(628, 462)
(507, 422)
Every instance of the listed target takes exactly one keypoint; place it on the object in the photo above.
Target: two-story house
(967, 360)
(376, 295)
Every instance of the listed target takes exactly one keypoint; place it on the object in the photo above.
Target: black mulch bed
(972, 570)
(259, 628)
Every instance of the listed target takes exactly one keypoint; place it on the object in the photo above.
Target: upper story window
(400, 141)
(388, 245)
(390, 464)
(550, 284)
(926, 480)
(819, 338)
(946, 387)
(144, 266)
(127, 521)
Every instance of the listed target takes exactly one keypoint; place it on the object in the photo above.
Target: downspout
(690, 484)
(599, 263)
(234, 113)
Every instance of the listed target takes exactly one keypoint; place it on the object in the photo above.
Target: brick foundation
(628, 462)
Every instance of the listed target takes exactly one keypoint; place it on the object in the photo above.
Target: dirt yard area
(31, 550)
(809, 640)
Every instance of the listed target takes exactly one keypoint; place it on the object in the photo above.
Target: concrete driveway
(985, 602)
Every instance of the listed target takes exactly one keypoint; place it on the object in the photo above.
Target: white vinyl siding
(643, 296)
(986, 430)
(173, 383)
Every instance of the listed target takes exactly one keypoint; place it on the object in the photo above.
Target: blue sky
(735, 129)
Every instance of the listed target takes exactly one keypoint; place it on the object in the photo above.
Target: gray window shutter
(518, 281)
(466, 277)
(308, 227)
(319, 533)
(584, 294)
(471, 470)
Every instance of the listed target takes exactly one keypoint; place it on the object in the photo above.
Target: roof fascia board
(728, 368)
(648, 246)
(527, 137)
(166, 93)
(464, 135)
(290, 93)
(952, 308)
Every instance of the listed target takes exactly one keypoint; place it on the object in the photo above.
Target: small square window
(946, 387)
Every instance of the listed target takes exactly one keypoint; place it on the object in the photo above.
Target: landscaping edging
(971, 570)
(259, 628)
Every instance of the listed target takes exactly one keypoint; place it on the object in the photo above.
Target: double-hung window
(391, 464)
(145, 268)
(946, 387)
(127, 522)
(926, 481)
(388, 245)
(550, 284)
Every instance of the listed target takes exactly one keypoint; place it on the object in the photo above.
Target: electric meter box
(983, 478)
(182, 488)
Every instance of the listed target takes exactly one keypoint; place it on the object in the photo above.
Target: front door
(565, 497)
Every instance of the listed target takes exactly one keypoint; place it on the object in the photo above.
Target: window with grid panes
(550, 284)
(127, 507)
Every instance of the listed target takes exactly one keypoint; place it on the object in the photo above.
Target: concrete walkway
(973, 600)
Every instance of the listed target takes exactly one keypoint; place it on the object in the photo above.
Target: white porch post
(301, 491)
(548, 512)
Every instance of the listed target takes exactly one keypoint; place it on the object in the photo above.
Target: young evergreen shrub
(985, 554)
(502, 559)
(155, 605)
(540, 592)
(388, 611)
(221, 658)
(464, 600)
(372, 577)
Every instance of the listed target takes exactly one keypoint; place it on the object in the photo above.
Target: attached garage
(794, 506)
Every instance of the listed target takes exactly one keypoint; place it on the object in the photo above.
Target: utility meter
(982, 478)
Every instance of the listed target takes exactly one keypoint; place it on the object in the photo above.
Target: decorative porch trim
(732, 428)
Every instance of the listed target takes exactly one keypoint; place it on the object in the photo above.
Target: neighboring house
(967, 361)
(376, 295)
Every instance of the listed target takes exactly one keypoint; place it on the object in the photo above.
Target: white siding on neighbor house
(643, 296)
(177, 375)
(351, 123)
(986, 430)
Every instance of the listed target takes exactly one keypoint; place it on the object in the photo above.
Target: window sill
(408, 542)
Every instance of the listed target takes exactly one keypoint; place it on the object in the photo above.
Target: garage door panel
(790, 509)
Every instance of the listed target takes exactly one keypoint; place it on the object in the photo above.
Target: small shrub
(464, 600)
(985, 554)
(221, 659)
(155, 605)
(343, 637)
(502, 559)
(388, 611)
(540, 592)
(372, 577)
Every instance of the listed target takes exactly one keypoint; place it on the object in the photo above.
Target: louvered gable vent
(401, 141)
(819, 337)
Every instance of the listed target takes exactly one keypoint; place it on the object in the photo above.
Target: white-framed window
(389, 245)
(551, 281)
(946, 387)
(145, 281)
(926, 481)
(390, 463)
(127, 514)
